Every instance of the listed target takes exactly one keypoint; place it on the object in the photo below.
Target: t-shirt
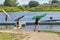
(36, 21)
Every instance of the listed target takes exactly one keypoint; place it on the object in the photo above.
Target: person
(51, 18)
(36, 23)
(17, 24)
(6, 18)
(51, 21)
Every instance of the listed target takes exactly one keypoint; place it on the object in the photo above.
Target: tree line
(11, 5)
(30, 4)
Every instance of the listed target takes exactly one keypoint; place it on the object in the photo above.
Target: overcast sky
(27, 1)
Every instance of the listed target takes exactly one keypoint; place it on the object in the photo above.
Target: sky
(27, 1)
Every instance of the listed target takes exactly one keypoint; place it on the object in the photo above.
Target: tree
(13, 2)
(54, 2)
(7, 3)
(10, 3)
(33, 3)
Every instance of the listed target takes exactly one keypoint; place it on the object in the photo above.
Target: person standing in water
(6, 18)
(51, 21)
(51, 18)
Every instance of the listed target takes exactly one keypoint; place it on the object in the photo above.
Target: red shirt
(6, 17)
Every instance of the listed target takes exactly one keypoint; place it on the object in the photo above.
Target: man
(51, 18)
(51, 21)
(6, 15)
(36, 23)
(17, 22)
(37, 18)
(6, 18)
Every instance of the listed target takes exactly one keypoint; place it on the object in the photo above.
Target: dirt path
(35, 35)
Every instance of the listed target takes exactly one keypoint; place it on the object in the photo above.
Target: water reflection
(31, 27)
(42, 27)
(8, 26)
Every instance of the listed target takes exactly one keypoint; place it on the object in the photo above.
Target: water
(28, 17)
(42, 27)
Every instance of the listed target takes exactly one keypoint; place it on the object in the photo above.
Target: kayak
(39, 16)
(19, 18)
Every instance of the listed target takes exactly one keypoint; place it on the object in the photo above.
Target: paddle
(7, 15)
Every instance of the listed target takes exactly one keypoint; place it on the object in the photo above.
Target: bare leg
(59, 34)
(38, 29)
(50, 27)
(35, 28)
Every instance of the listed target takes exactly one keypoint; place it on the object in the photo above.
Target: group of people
(18, 25)
(36, 23)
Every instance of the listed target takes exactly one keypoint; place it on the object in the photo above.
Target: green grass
(11, 36)
(5, 28)
(49, 31)
(41, 8)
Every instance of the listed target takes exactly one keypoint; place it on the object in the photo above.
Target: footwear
(38, 30)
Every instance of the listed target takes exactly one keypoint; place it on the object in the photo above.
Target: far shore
(19, 9)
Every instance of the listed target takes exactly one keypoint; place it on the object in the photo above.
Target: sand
(35, 35)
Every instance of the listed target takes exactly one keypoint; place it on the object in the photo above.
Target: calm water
(28, 17)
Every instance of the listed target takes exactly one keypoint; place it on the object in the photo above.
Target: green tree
(33, 3)
(7, 3)
(13, 2)
(54, 1)
(10, 3)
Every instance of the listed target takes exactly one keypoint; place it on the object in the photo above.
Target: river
(28, 17)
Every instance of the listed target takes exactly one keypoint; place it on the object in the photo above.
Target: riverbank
(34, 35)
(34, 9)
(8, 35)
(48, 31)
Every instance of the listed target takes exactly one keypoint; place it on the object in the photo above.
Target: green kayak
(39, 16)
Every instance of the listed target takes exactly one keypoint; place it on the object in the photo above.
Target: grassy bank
(34, 9)
(49, 31)
(10, 9)
(11, 36)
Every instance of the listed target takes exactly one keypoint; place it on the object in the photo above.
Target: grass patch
(49, 31)
(40, 8)
(5, 28)
(11, 36)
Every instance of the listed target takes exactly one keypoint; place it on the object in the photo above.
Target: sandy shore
(35, 35)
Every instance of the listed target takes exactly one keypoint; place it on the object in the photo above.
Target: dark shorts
(36, 23)
(17, 23)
